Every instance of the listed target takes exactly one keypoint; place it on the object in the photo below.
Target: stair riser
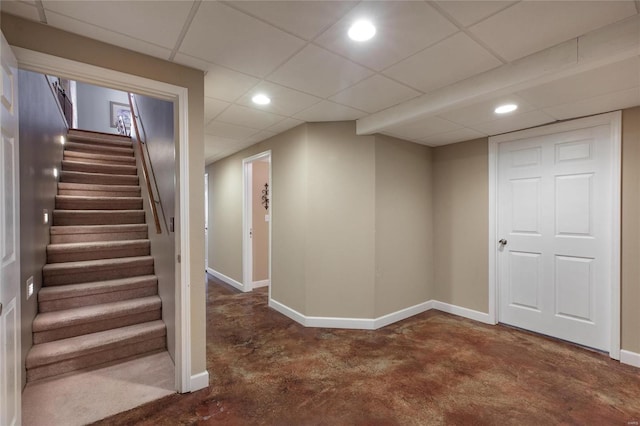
(117, 352)
(89, 275)
(73, 218)
(99, 204)
(96, 299)
(98, 179)
(110, 253)
(94, 327)
(97, 135)
(99, 158)
(106, 236)
(90, 167)
(100, 141)
(85, 193)
(96, 149)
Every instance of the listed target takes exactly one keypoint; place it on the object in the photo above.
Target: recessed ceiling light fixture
(362, 30)
(503, 109)
(261, 99)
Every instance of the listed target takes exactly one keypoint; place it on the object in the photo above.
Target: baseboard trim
(199, 381)
(288, 312)
(462, 312)
(402, 314)
(228, 280)
(630, 358)
(261, 283)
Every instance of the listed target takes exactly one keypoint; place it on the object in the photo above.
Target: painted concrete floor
(86, 396)
(431, 369)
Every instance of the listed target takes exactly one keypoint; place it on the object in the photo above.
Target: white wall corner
(227, 280)
(402, 314)
(199, 381)
(463, 312)
(630, 358)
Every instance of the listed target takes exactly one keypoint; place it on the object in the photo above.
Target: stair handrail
(145, 172)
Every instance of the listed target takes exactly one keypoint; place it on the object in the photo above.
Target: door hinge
(172, 224)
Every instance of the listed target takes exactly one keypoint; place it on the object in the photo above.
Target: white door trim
(49, 64)
(247, 219)
(614, 119)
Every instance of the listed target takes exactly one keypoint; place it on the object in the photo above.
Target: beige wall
(460, 223)
(42, 38)
(260, 227)
(630, 291)
(404, 225)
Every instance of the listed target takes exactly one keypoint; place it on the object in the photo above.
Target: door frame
(67, 68)
(206, 221)
(247, 219)
(614, 120)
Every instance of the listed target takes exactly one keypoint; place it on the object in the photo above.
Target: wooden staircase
(99, 301)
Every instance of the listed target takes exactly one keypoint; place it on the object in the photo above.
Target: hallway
(433, 368)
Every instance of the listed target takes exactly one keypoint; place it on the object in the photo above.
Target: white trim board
(463, 312)
(62, 67)
(225, 279)
(199, 381)
(630, 358)
(261, 283)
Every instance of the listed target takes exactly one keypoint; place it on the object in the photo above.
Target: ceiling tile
(106, 36)
(470, 12)
(611, 78)
(422, 129)
(460, 135)
(284, 125)
(604, 103)
(161, 24)
(227, 37)
(329, 111)
(284, 101)
(217, 143)
(403, 28)
(260, 136)
(21, 9)
(190, 61)
(222, 83)
(213, 107)
(229, 131)
(516, 32)
(249, 117)
(513, 123)
(319, 72)
(439, 66)
(484, 111)
(305, 19)
(374, 94)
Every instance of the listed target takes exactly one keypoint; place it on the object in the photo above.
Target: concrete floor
(431, 369)
(83, 397)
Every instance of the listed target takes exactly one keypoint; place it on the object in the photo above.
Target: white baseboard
(462, 312)
(261, 283)
(630, 358)
(288, 312)
(226, 279)
(199, 381)
(337, 322)
(402, 314)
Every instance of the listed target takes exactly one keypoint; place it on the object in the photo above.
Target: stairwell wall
(41, 125)
(42, 38)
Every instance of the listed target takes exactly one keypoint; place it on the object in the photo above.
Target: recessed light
(362, 30)
(503, 109)
(261, 99)
(62, 140)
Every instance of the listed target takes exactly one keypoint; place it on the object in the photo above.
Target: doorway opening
(256, 207)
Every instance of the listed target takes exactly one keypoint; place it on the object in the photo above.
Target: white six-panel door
(10, 358)
(554, 216)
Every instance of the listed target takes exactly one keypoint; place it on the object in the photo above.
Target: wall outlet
(29, 287)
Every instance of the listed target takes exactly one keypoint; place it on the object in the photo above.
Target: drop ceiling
(433, 73)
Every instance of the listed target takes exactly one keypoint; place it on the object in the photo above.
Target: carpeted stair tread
(98, 178)
(98, 217)
(93, 270)
(98, 149)
(93, 250)
(60, 350)
(96, 134)
(98, 158)
(65, 268)
(87, 233)
(95, 313)
(101, 140)
(96, 190)
(96, 287)
(89, 166)
(74, 202)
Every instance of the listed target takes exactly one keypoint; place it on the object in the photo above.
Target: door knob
(503, 242)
